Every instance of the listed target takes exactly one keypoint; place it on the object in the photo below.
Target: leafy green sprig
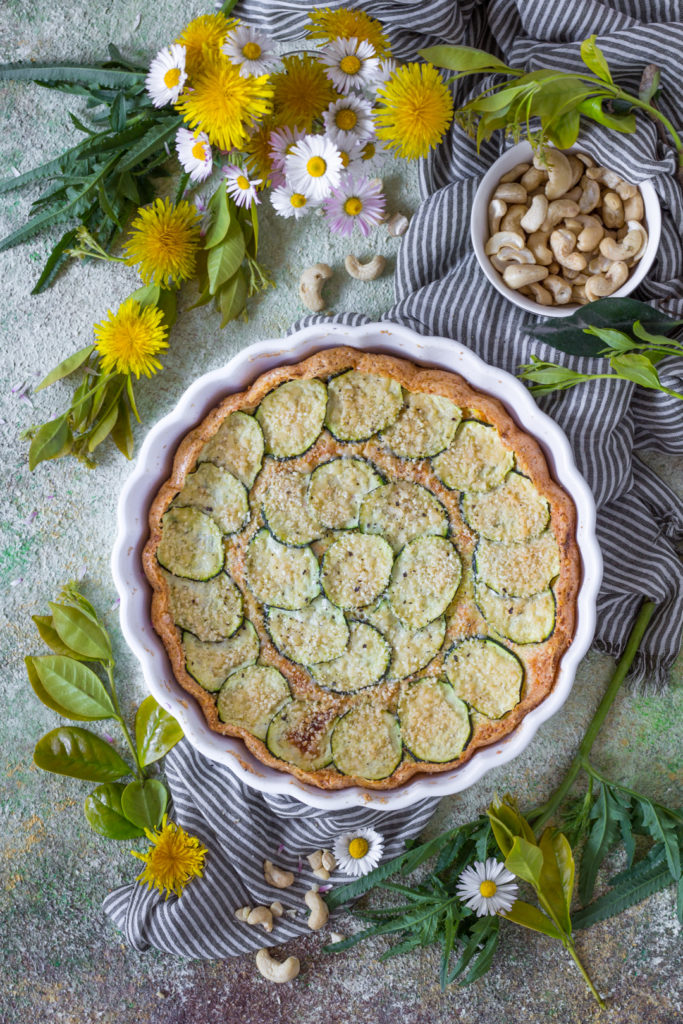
(67, 684)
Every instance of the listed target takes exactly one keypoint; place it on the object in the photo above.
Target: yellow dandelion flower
(129, 339)
(163, 240)
(345, 23)
(302, 91)
(175, 859)
(416, 109)
(223, 103)
(208, 30)
(257, 148)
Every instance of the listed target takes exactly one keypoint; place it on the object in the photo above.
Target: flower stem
(571, 949)
(119, 718)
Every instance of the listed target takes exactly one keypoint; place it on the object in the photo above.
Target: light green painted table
(61, 960)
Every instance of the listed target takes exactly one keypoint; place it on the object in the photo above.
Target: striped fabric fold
(441, 290)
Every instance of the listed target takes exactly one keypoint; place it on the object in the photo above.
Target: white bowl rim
(152, 468)
(522, 152)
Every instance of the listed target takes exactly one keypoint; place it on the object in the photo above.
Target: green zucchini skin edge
(519, 643)
(378, 778)
(426, 760)
(490, 640)
(370, 686)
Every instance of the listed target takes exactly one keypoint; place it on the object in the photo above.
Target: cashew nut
(509, 255)
(517, 171)
(319, 912)
(510, 221)
(606, 284)
(398, 225)
(242, 913)
(560, 173)
(534, 177)
(365, 271)
(276, 909)
(612, 210)
(535, 215)
(311, 285)
(593, 231)
(573, 224)
(574, 194)
(539, 294)
(606, 177)
(585, 159)
(274, 970)
(519, 275)
(315, 859)
(538, 245)
(329, 860)
(579, 294)
(577, 169)
(262, 916)
(631, 247)
(503, 238)
(563, 245)
(599, 264)
(560, 290)
(633, 207)
(558, 210)
(590, 195)
(497, 210)
(513, 192)
(277, 877)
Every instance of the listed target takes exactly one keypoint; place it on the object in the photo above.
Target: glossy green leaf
(232, 298)
(466, 59)
(636, 368)
(103, 428)
(557, 875)
(168, 304)
(156, 732)
(74, 686)
(568, 333)
(50, 441)
(594, 58)
(121, 434)
(221, 217)
(80, 632)
(593, 108)
(144, 803)
(104, 813)
(531, 917)
(43, 695)
(147, 295)
(507, 823)
(79, 753)
(526, 861)
(225, 259)
(564, 131)
(51, 637)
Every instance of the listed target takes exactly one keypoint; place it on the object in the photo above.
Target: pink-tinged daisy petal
(281, 142)
(357, 201)
(194, 153)
(240, 187)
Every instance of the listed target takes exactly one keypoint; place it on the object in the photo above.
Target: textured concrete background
(61, 960)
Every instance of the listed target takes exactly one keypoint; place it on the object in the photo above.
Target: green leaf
(592, 108)
(155, 731)
(168, 305)
(568, 333)
(601, 837)
(507, 823)
(593, 57)
(464, 59)
(144, 803)
(649, 83)
(54, 262)
(564, 131)
(121, 433)
(662, 828)
(636, 368)
(232, 298)
(79, 632)
(74, 686)
(43, 696)
(529, 916)
(526, 861)
(79, 753)
(67, 366)
(82, 74)
(490, 933)
(225, 259)
(151, 143)
(107, 422)
(104, 813)
(220, 219)
(117, 113)
(632, 890)
(613, 339)
(50, 441)
(147, 295)
(557, 876)
(51, 637)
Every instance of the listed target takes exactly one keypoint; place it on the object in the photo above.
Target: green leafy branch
(65, 683)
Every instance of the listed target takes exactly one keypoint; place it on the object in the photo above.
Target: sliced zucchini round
(366, 742)
(250, 697)
(286, 510)
(360, 404)
(402, 511)
(291, 417)
(425, 426)
(412, 648)
(518, 569)
(364, 662)
(356, 570)
(315, 633)
(236, 446)
(191, 544)
(435, 724)
(281, 575)
(424, 580)
(524, 620)
(211, 663)
(211, 610)
(477, 460)
(218, 494)
(486, 674)
(513, 512)
(300, 734)
(337, 488)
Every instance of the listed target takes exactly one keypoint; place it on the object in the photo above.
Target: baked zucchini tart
(362, 568)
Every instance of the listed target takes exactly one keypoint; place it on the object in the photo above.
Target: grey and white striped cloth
(441, 290)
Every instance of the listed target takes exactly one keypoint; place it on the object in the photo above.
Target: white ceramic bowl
(479, 229)
(153, 467)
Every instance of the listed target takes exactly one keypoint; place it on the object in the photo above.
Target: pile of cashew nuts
(563, 230)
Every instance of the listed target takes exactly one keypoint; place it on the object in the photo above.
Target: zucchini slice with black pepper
(251, 696)
(366, 742)
(218, 494)
(291, 417)
(300, 734)
(425, 426)
(511, 513)
(524, 620)
(191, 544)
(356, 570)
(402, 511)
(364, 662)
(435, 723)
(211, 663)
(337, 488)
(412, 649)
(236, 446)
(424, 580)
(518, 569)
(486, 674)
(360, 404)
(286, 509)
(211, 610)
(280, 575)
(312, 634)
(476, 460)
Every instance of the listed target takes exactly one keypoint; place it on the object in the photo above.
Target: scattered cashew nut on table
(262, 916)
(275, 970)
(277, 877)
(318, 910)
(311, 285)
(369, 271)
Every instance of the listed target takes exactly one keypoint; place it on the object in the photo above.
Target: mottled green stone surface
(61, 960)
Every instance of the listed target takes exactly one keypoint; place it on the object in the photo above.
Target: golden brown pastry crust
(541, 665)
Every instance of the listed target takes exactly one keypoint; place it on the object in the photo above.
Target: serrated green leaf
(81, 74)
(526, 861)
(601, 838)
(465, 59)
(74, 686)
(151, 144)
(156, 732)
(144, 802)
(225, 259)
(107, 422)
(66, 367)
(58, 256)
(104, 813)
(80, 754)
(117, 113)
(529, 916)
(663, 829)
(593, 57)
(79, 632)
(627, 894)
(50, 441)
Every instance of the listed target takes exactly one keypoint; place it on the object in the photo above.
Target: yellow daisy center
(353, 206)
(316, 166)
(176, 857)
(198, 151)
(251, 51)
(297, 200)
(163, 241)
(416, 110)
(358, 847)
(345, 158)
(242, 182)
(129, 340)
(350, 64)
(345, 119)
(488, 889)
(171, 78)
(368, 151)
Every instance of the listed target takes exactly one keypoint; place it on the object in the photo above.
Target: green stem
(571, 949)
(91, 391)
(656, 115)
(182, 185)
(623, 665)
(139, 771)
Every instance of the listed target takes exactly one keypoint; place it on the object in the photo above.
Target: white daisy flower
(167, 76)
(281, 142)
(313, 166)
(386, 69)
(349, 120)
(352, 156)
(238, 185)
(487, 888)
(289, 203)
(251, 49)
(194, 153)
(349, 63)
(358, 852)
